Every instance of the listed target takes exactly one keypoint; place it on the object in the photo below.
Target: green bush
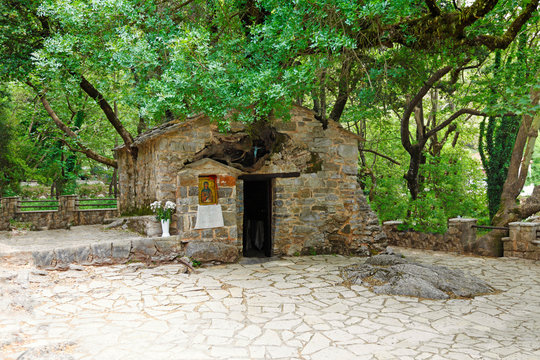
(140, 211)
(92, 190)
(453, 185)
(34, 192)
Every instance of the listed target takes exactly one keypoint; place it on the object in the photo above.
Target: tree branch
(109, 112)
(502, 42)
(343, 93)
(433, 8)
(531, 205)
(405, 141)
(381, 155)
(90, 154)
(448, 25)
(477, 10)
(452, 118)
(66, 130)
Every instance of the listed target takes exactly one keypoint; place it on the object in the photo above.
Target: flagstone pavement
(291, 308)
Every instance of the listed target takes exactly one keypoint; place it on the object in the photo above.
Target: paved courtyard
(293, 308)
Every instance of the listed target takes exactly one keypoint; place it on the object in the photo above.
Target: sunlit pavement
(293, 308)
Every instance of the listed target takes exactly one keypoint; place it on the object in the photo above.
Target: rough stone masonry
(320, 208)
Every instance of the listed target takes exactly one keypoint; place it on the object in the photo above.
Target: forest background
(445, 93)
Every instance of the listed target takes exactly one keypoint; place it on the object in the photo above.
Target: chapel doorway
(257, 236)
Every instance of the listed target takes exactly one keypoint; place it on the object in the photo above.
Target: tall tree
(11, 173)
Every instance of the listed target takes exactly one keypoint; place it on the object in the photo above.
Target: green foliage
(21, 34)
(11, 171)
(496, 142)
(153, 60)
(452, 187)
(91, 190)
(195, 263)
(43, 205)
(139, 211)
(508, 87)
(34, 191)
(22, 225)
(97, 203)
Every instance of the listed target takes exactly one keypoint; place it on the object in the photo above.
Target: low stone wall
(68, 214)
(94, 216)
(150, 250)
(459, 237)
(144, 249)
(523, 241)
(40, 219)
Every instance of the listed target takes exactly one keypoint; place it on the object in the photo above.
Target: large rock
(205, 251)
(146, 225)
(394, 275)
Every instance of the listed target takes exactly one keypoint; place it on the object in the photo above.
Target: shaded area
(257, 241)
(246, 151)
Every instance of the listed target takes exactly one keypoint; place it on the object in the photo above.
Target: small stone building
(296, 193)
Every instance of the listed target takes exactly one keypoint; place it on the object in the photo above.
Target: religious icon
(207, 190)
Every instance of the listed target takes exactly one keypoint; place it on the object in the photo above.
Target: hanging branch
(71, 134)
(433, 8)
(108, 111)
(381, 155)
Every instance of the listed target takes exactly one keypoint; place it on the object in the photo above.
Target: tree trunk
(519, 166)
(414, 167)
(113, 187)
(108, 111)
(510, 209)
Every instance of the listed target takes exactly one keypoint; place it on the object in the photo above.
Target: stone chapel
(289, 187)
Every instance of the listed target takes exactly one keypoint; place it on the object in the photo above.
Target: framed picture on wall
(208, 190)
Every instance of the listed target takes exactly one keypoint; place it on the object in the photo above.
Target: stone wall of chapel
(322, 210)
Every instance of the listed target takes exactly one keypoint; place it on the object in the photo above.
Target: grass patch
(97, 203)
(39, 205)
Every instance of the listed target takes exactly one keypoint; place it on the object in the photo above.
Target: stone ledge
(154, 249)
(393, 222)
(463, 220)
(37, 212)
(524, 224)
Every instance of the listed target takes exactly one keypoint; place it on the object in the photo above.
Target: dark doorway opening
(257, 236)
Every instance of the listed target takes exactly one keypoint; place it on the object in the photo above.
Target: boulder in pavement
(394, 275)
(205, 251)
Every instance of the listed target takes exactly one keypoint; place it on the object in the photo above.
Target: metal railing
(491, 227)
(37, 205)
(96, 204)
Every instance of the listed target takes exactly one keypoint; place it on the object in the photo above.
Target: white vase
(165, 227)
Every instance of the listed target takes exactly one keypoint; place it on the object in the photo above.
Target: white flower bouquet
(163, 212)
